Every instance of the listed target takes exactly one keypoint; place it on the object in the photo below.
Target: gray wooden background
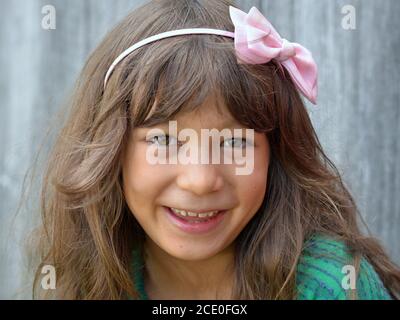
(357, 118)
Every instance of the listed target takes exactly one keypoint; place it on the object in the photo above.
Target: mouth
(195, 221)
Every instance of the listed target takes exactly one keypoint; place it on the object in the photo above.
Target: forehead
(212, 112)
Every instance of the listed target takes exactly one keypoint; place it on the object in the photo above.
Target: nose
(200, 178)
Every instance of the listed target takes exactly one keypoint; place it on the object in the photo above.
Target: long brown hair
(88, 231)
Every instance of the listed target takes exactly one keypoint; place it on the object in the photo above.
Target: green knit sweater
(319, 273)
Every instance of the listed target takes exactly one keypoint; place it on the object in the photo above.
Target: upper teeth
(194, 214)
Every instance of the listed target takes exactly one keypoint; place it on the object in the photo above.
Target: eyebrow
(230, 123)
(226, 124)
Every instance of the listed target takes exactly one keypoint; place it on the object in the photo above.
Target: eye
(235, 143)
(163, 140)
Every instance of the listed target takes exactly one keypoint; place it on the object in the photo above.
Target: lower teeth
(195, 221)
(201, 220)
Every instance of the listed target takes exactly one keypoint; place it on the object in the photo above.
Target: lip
(195, 228)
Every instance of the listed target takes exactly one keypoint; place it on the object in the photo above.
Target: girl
(119, 227)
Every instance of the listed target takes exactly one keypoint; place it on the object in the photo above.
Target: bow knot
(257, 42)
(287, 51)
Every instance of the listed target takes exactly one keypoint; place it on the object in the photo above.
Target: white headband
(163, 35)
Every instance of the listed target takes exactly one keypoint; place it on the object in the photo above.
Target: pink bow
(257, 42)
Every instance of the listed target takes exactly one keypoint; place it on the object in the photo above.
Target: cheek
(142, 181)
(252, 188)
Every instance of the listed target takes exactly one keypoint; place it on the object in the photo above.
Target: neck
(167, 277)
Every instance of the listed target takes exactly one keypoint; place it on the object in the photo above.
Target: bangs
(180, 74)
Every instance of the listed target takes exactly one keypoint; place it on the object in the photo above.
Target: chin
(192, 253)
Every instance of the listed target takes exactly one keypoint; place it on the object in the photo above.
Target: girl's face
(152, 189)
